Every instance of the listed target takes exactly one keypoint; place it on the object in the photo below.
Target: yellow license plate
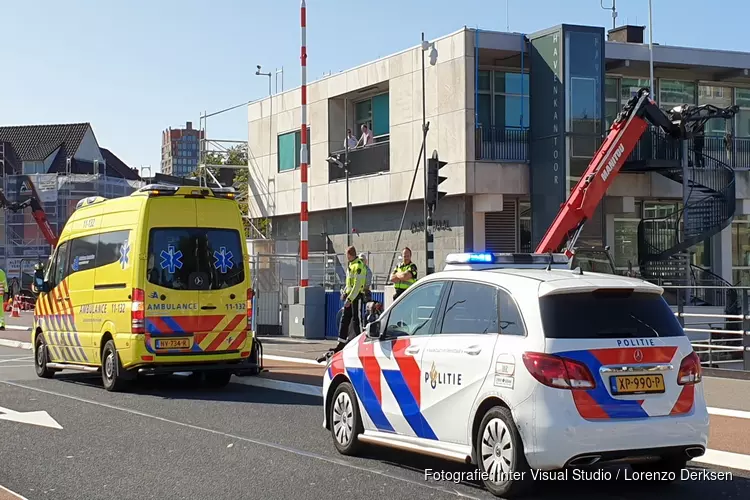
(173, 343)
(637, 384)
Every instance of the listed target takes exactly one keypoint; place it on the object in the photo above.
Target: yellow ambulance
(155, 282)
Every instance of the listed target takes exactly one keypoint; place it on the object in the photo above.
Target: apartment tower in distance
(180, 150)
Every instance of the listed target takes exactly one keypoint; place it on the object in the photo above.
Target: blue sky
(134, 68)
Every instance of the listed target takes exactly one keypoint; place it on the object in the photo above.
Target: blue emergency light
(470, 258)
(506, 258)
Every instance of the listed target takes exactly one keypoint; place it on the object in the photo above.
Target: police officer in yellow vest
(405, 274)
(355, 285)
(3, 292)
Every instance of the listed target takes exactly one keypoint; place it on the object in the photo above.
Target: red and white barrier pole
(303, 248)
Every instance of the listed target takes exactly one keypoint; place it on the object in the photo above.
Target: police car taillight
(557, 372)
(249, 306)
(138, 311)
(690, 370)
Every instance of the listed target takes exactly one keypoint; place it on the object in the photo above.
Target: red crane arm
(41, 220)
(37, 211)
(602, 171)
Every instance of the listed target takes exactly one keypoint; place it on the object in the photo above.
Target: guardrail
(720, 335)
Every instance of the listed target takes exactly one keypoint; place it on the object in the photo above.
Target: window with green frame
(288, 146)
(375, 113)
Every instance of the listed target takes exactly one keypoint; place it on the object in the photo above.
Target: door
(77, 296)
(458, 358)
(51, 302)
(196, 287)
(390, 388)
(222, 243)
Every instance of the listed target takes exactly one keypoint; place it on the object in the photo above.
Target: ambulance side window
(83, 253)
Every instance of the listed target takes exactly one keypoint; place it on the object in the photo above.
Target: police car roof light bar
(506, 258)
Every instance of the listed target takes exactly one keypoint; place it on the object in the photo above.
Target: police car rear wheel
(41, 357)
(346, 423)
(500, 455)
(111, 368)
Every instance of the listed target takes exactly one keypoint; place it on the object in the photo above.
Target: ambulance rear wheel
(41, 357)
(346, 422)
(217, 379)
(112, 369)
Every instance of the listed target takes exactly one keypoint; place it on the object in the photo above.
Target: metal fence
(274, 274)
(720, 334)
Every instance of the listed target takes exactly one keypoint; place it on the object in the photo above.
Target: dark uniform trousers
(350, 319)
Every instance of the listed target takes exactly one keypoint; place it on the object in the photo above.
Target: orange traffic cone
(16, 308)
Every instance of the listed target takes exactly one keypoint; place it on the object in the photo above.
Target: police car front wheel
(500, 455)
(346, 423)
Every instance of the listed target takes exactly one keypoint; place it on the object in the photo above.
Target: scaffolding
(213, 148)
(23, 244)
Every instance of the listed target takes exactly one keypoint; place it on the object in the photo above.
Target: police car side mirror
(372, 330)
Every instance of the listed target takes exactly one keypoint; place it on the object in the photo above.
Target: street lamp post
(651, 51)
(270, 108)
(428, 237)
(336, 160)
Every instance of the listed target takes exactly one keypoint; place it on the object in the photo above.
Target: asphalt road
(170, 440)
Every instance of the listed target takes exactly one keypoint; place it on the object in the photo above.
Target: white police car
(521, 371)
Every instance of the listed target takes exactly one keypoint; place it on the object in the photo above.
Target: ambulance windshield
(195, 258)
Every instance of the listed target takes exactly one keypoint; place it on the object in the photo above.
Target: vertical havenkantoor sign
(547, 150)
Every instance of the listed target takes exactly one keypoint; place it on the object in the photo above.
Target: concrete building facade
(491, 101)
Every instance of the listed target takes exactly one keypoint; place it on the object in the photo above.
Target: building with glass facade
(180, 150)
(518, 117)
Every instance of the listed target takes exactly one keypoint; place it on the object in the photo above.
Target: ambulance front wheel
(112, 371)
(41, 357)
(346, 422)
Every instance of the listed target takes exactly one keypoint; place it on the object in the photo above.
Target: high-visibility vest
(355, 279)
(3, 283)
(410, 267)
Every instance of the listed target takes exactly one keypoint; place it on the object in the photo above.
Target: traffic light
(433, 180)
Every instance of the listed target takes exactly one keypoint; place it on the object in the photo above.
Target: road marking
(40, 418)
(281, 385)
(18, 328)
(724, 412)
(16, 366)
(16, 344)
(301, 361)
(16, 359)
(11, 492)
(725, 459)
(266, 444)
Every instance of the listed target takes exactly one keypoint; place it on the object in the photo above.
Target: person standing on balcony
(351, 141)
(366, 139)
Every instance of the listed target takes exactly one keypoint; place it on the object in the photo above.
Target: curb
(16, 344)
(302, 361)
(19, 328)
(280, 385)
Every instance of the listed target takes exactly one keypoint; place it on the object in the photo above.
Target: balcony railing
(502, 144)
(654, 145)
(512, 144)
(362, 161)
